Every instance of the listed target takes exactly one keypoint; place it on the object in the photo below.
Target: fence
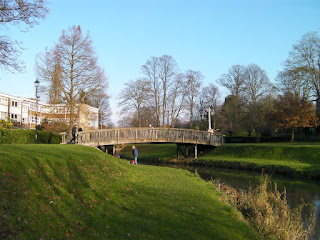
(144, 135)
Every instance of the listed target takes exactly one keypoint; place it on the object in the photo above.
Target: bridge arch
(145, 135)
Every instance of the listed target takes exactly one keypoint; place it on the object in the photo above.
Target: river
(298, 190)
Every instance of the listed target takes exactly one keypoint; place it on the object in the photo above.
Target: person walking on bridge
(135, 154)
(74, 133)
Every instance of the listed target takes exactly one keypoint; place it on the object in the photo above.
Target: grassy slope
(151, 151)
(55, 191)
(292, 157)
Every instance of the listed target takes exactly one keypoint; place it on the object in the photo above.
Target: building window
(14, 104)
(14, 116)
(25, 109)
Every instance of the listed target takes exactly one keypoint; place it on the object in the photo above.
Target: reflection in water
(298, 190)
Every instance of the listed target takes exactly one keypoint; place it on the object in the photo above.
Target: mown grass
(290, 159)
(67, 191)
(151, 152)
(301, 160)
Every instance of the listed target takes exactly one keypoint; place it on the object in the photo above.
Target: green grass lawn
(301, 159)
(289, 159)
(151, 151)
(67, 191)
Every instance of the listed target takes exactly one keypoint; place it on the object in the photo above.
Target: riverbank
(297, 160)
(68, 191)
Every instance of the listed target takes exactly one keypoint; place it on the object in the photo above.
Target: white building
(22, 112)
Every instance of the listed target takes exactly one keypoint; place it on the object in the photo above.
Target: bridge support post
(187, 151)
(178, 150)
(195, 152)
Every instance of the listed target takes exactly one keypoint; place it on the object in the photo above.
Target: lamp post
(36, 84)
(209, 118)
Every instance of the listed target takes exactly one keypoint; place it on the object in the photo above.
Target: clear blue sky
(201, 35)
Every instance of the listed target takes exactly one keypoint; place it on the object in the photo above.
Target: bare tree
(134, 96)
(250, 88)
(150, 71)
(231, 114)
(161, 93)
(232, 109)
(161, 73)
(24, 14)
(294, 81)
(257, 83)
(305, 59)
(234, 80)
(208, 97)
(258, 87)
(49, 70)
(194, 80)
(176, 100)
(100, 100)
(146, 118)
(167, 75)
(79, 73)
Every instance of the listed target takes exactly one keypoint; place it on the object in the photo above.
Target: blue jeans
(136, 160)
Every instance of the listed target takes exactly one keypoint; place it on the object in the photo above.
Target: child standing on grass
(135, 154)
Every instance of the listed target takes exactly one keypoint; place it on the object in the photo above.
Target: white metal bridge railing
(144, 135)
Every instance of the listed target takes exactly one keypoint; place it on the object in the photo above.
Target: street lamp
(209, 118)
(36, 84)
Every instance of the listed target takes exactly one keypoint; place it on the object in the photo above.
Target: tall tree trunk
(139, 116)
(292, 135)
(258, 135)
(318, 106)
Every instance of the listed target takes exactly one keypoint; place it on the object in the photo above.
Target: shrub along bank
(267, 211)
(20, 136)
(70, 191)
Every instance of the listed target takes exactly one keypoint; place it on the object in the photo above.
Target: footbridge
(112, 137)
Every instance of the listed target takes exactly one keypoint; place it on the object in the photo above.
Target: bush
(267, 211)
(20, 136)
(5, 124)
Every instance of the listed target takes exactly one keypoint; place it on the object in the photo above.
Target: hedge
(20, 136)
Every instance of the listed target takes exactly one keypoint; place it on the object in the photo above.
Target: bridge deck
(144, 135)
